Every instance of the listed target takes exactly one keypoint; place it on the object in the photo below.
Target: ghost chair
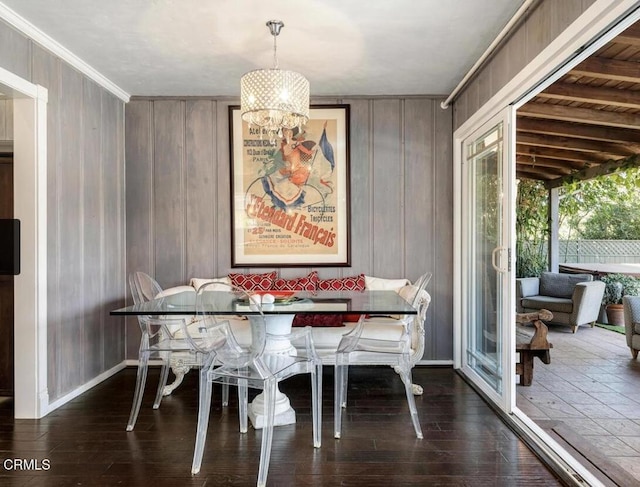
(356, 348)
(157, 340)
(227, 362)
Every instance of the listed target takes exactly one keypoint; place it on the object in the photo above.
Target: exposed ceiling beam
(582, 115)
(576, 159)
(592, 94)
(588, 123)
(574, 144)
(539, 174)
(551, 127)
(596, 67)
(593, 172)
(552, 165)
(630, 36)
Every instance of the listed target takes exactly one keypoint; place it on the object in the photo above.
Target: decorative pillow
(253, 282)
(308, 283)
(318, 320)
(379, 284)
(561, 285)
(197, 282)
(354, 283)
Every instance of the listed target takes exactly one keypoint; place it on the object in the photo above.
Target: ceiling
(344, 47)
(588, 122)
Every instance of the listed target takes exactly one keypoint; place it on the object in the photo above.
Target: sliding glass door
(486, 258)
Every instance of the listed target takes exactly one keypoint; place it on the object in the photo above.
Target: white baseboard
(435, 362)
(85, 387)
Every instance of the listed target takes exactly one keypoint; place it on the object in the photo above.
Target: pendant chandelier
(273, 99)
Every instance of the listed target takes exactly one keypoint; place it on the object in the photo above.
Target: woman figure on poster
(288, 186)
(285, 186)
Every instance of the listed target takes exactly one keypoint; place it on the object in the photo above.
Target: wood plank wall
(6, 119)
(85, 214)
(178, 203)
(535, 32)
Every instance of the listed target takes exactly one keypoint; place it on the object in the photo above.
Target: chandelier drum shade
(274, 99)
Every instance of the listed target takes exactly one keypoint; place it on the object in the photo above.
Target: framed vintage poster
(290, 195)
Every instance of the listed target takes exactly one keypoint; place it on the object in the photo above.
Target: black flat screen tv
(9, 247)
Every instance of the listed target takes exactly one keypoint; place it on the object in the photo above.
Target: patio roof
(587, 123)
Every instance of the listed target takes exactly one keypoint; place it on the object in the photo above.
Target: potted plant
(617, 286)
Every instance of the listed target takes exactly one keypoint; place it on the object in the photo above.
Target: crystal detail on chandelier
(273, 99)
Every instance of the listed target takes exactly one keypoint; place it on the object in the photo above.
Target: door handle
(494, 260)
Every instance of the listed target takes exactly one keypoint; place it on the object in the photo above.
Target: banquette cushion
(307, 283)
(198, 282)
(380, 284)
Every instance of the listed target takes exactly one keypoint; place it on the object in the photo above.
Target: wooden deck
(587, 399)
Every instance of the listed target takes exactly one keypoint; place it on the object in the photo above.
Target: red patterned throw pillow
(354, 283)
(253, 282)
(318, 320)
(307, 283)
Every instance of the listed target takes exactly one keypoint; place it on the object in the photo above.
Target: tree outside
(603, 208)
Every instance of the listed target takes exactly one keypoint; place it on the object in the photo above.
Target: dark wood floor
(85, 441)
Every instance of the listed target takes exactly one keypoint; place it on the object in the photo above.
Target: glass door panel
(485, 258)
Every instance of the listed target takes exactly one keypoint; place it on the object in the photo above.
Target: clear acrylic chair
(355, 348)
(157, 339)
(226, 362)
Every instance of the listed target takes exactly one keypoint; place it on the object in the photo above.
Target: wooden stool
(538, 346)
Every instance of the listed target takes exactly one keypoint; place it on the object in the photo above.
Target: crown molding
(35, 34)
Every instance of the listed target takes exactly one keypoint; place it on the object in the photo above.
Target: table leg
(284, 413)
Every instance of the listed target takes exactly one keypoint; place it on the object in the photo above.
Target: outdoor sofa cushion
(561, 285)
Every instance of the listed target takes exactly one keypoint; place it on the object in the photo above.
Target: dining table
(278, 321)
(301, 302)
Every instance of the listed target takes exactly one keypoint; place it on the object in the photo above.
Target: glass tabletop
(321, 302)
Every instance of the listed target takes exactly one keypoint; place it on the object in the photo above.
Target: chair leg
(141, 379)
(164, 375)
(225, 395)
(634, 353)
(405, 375)
(204, 405)
(316, 405)
(267, 431)
(243, 406)
(341, 375)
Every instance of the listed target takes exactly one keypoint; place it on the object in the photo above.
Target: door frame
(31, 397)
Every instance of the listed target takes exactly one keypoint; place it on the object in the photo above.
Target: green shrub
(617, 286)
